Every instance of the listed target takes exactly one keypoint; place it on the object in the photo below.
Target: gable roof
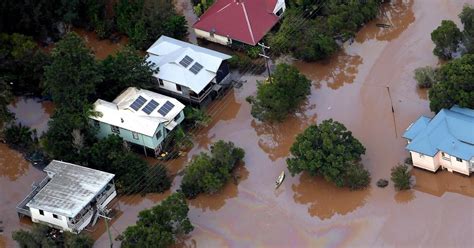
(450, 131)
(120, 113)
(166, 53)
(246, 21)
(70, 189)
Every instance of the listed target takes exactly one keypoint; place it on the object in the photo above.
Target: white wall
(217, 38)
(169, 86)
(424, 161)
(109, 199)
(280, 4)
(49, 219)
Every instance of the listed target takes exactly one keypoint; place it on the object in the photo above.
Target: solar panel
(150, 107)
(196, 68)
(138, 103)
(186, 61)
(166, 108)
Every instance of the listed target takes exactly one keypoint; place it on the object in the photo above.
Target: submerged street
(352, 88)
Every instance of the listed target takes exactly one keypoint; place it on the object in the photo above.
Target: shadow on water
(216, 201)
(404, 196)
(324, 199)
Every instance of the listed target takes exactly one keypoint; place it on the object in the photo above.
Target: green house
(140, 117)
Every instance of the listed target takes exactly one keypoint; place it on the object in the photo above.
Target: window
(96, 123)
(176, 118)
(41, 212)
(115, 129)
(135, 135)
(158, 134)
(279, 12)
(459, 160)
(178, 87)
(55, 216)
(442, 154)
(161, 82)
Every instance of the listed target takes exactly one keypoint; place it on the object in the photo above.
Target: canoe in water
(280, 179)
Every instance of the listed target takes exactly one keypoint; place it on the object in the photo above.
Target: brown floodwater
(101, 47)
(306, 211)
(32, 112)
(185, 8)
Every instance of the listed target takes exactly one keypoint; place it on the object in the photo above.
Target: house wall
(451, 164)
(167, 85)
(216, 38)
(280, 4)
(424, 161)
(48, 218)
(105, 130)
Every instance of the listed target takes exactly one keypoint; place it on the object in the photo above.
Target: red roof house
(246, 21)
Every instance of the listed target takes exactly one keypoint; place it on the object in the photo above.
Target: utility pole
(106, 219)
(393, 111)
(264, 55)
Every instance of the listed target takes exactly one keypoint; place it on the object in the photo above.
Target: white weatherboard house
(139, 116)
(70, 197)
(191, 73)
(445, 141)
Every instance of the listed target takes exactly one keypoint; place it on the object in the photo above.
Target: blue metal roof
(450, 131)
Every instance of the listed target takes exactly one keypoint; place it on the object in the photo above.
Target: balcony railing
(76, 225)
(104, 195)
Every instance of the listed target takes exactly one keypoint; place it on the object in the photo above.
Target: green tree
(329, 150)
(196, 117)
(161, 225)
(467, 19)
(209, 172)
(446, 38)
(19, 136)
(45, 236)
(455, 85)
(274, 101)
(125, 69)
(5, 98)
(425, 77)
(401, 177)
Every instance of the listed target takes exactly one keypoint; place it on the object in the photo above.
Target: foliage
(446, 38)
(200, 6)
(455, 85)
(161, 225)
(207, 173)
(425, 77)
(21, 63)
(310, 29)
(132, 173)
(19, 136)
(145, 20)
(240, 62)
(329, 150)
(196, 117)
(401, 177)
(467, 19)
(274, 101)
(125, 69)
(5, 98)
(45, 236)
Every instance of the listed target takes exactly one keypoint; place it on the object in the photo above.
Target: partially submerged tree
(455, 85)
(274, 101)
(45, 236)
(208, 173)
(161, 225)
(467, 19)
(329, 150)
(425, 76)
(447, 38)
(6, 97)
(400, 176)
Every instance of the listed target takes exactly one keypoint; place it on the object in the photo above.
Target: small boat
(383, 25)
(280, 179)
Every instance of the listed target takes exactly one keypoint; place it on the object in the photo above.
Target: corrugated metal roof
(70, 189)
(450, 131)
(119, 113)
(166, 53)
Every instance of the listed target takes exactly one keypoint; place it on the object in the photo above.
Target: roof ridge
(248, 22)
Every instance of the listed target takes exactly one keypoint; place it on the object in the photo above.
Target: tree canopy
(274, 101)
(446, 38)
(328, 150)
(6, 97)
(45, 236)
(161, 225)
(209, 172)
(467, 19)
(455, 85)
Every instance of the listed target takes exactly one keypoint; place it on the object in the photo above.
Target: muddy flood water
(306, 211)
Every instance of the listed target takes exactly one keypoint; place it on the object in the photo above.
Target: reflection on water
(404, 196)
(216, 201)
(32, 112)
(441, 182)
(275, 139)
(397, 13)
(324, 199)
(338, 70)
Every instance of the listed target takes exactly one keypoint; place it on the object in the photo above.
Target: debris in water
(382, 183)
(383, 25)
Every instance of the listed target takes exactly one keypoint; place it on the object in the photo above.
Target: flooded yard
(306, 211)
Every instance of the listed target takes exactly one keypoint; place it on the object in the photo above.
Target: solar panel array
(150, 107)
(138, 103)
(186, 61)
(166, 108)
(196, 68)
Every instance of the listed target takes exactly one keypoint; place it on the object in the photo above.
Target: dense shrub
(19, 136)
(401, 177)
(196, 117)
(356, 177)
(207, 173)
(45, 236)
(425, 77)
